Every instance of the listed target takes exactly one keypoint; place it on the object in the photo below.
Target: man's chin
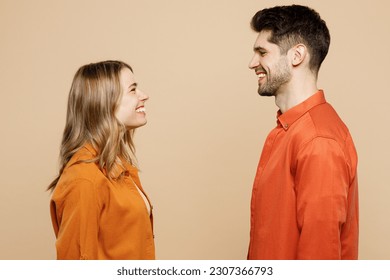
(266, 93)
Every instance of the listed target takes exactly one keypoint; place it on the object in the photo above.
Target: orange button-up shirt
(95, 218)
(305, 194)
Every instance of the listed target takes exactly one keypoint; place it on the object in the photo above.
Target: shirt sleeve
(78, 222)
(321, 184)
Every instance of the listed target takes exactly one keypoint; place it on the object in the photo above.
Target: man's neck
(293, 94)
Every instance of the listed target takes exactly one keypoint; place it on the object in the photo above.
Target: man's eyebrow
(133, 85)
(259, 48)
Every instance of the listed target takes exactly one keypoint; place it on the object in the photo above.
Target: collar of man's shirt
(286, 119)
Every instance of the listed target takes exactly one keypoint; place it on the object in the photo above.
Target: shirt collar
(125, 169)
(286, 119)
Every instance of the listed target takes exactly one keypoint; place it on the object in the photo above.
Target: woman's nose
(142, 95)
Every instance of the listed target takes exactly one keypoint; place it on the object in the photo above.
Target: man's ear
(299, 54)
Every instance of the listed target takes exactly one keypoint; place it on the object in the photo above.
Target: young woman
(98, 207)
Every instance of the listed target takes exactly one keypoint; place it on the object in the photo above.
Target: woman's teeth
(141, 110)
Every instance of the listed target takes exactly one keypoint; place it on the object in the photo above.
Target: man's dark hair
(291, 25)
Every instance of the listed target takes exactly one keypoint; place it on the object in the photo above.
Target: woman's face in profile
(131, 109)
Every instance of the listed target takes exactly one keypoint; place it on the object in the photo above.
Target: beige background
(207, 124)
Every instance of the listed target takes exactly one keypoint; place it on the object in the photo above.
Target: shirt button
(285, 125)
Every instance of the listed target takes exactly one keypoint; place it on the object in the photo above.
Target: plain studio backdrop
(206, 123)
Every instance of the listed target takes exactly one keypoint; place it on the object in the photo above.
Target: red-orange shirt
(95, 218)
(305, 194)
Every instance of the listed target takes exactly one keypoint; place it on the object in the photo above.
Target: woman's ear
(299, 54)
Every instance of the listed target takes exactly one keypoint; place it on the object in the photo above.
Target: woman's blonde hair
(93, 100)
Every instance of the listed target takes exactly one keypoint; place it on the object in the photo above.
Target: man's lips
(261, 74)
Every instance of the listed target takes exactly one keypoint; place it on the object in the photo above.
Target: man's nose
(254, 62)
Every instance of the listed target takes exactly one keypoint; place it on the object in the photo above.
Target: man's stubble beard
(274, 82)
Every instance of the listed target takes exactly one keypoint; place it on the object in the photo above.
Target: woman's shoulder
(82, 165)
(82, 170)
(80, 178)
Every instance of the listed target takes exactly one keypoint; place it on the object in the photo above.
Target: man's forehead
(262, 40)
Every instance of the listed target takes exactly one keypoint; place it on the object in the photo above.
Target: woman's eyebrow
(133, 85)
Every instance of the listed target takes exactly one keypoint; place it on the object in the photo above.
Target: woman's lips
(140, 109)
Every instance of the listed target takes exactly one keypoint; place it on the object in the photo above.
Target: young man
(305, 194)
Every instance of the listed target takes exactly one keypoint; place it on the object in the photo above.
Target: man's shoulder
(321, 121)
(327, 123)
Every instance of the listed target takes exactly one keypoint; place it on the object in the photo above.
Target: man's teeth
(261, 75)
(141, 110)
